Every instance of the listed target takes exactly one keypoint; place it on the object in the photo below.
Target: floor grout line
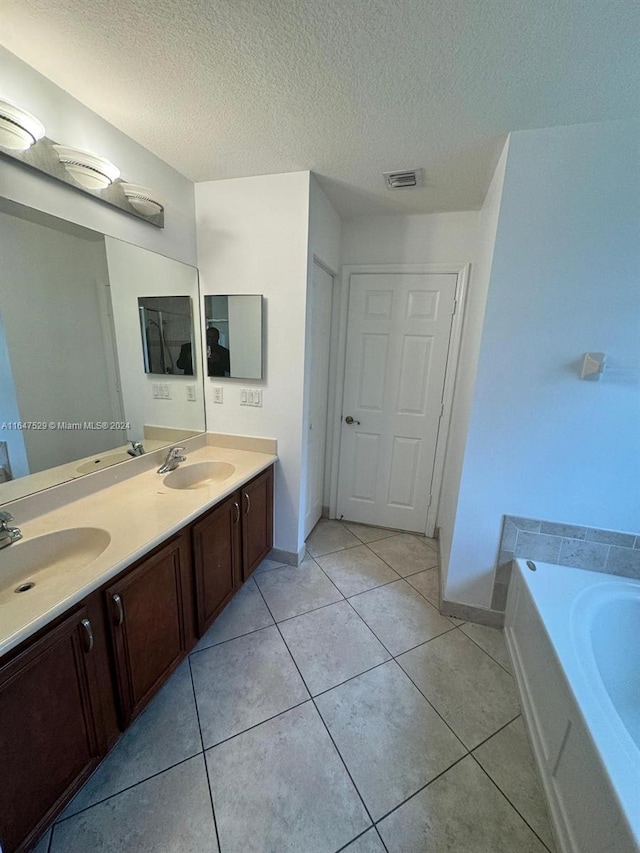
(516, 810)
(326, 727)
(204, 757)
(482, 647)
(126, 788)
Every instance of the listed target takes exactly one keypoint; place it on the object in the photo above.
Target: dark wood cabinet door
(149, 625)
(51, 733)
(217, 559)
(257, 520)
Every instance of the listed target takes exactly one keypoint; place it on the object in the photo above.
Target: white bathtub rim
(612, 744)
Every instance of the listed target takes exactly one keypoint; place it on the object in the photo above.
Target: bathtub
(574, 641)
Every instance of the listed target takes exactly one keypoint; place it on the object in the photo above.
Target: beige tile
(169, 812)
(165, 733)
(464, 684)
(282, 787)
(390, 738)
(399, 616)
(489, 639)
(244, 682)
(508, 760)
(328, 536)
(460, 812)
(331, 645)
(266, 565)
(296, 589)
(428, 584)
(405, 553)
(366, 534)
(245, 612)
(356, 570)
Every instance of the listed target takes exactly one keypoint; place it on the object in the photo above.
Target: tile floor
(329, 708)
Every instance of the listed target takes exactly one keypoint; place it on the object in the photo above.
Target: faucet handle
(174, 451)
(5, 516)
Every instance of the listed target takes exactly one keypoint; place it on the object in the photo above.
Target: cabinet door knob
(248, 500)
(237, 507)
(119, 611)
(88, 635)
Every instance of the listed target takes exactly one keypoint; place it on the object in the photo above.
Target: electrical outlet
(191, 393)
(217, 393)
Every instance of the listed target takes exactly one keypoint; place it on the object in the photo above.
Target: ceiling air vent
(402, 180)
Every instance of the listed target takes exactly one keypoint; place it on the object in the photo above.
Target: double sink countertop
(88, 540)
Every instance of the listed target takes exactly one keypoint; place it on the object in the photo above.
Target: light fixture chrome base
(44, 157)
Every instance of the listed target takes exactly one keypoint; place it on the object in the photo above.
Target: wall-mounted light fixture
(142, 199)
(22, 138)
(19, 130)
(89, 170)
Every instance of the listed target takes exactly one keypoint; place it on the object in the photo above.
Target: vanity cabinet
(228, 543)
(51, 726)
(68, 693)
(151, 628)
(217, 559)
(257, 521)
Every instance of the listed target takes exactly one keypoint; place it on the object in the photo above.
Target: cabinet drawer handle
(89, 635)
(119, 611)
(248, 499)
(237, 518)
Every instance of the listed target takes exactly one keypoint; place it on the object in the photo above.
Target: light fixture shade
(18, 128)
(89, 170)
(144, 200)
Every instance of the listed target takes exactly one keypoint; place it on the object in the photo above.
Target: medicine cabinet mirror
(166, 326)
(234, 336)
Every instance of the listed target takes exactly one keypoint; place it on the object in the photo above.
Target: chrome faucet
(172, 460)
(136, 449)
(8, 534)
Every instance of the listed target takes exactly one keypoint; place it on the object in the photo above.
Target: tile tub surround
(320, 738)
(579, 547)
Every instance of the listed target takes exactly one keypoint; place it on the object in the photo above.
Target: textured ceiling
(348, 88)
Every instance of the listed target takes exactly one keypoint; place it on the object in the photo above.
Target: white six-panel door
(398, 333)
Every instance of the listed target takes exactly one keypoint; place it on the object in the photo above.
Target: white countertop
(138, 513)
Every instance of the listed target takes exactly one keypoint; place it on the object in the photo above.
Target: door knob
(349, 420)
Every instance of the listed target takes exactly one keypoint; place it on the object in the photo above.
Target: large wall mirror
(73, 388)
(234, 336)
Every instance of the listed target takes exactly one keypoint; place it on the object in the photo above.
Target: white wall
(52, 318)
(253, 238)
(564, 281)
(325, 232)
(69, 122)
(430, 238)
(135, 272)
(468, 359)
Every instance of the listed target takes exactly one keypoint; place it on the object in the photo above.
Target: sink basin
(199, 474)
(104, 461)
(31, 560)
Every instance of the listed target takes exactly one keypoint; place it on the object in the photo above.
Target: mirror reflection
(74, 394)
(167, 334)
(234, 336)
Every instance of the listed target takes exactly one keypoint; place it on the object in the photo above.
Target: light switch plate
(243, 397)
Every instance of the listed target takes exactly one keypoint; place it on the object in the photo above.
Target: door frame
(462, 272)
